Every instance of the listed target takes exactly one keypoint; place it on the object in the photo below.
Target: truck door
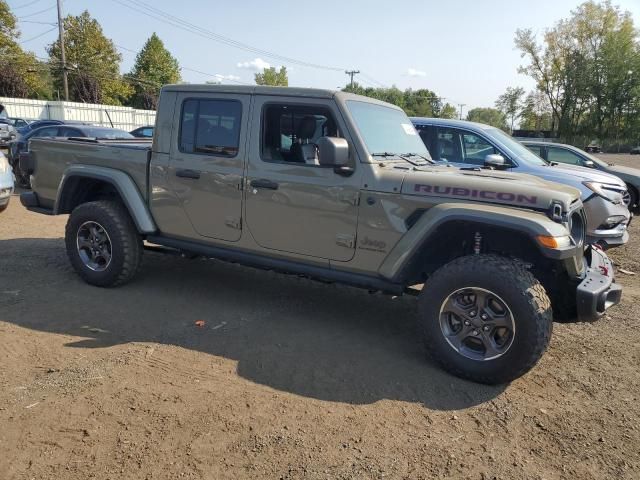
(207, 161)
(293, 203)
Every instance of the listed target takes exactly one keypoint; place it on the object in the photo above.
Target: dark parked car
(25, 129)
(143, 132)
(21, 144)
(635, 150)
(570, 155)
(593, 148)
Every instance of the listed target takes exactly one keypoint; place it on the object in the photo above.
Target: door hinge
(352, 199)
(233, 222)
(346, 240)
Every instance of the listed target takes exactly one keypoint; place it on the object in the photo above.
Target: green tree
(489, 116)
(93, 63)
(154, 67)
(510, 103)
(416, 103)
(271, 76)
(536, 113)
(448, 111)
(588, 66)
(21, 74)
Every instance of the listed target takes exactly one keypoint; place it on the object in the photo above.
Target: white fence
(126, 118)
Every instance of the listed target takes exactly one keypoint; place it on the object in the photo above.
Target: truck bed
(52, 156)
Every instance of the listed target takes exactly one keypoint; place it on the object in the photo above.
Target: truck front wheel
(102, 243)
(485, 318)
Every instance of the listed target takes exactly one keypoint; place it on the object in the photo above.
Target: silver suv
(475, 145)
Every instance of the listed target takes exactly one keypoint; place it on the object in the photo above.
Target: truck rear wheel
(485, 318)
(103, 244)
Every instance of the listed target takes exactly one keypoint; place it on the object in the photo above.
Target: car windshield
(385, 130)
(522, 152)
(107, 133)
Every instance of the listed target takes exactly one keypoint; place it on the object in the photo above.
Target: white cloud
(256, 64)
(221, 77)
(412, 72)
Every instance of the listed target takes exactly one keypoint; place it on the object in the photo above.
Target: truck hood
(489, 186)
(566, 172)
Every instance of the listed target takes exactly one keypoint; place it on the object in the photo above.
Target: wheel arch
(82, 184)
(441, 236)
(635, 195)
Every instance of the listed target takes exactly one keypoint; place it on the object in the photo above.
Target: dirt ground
(287, 379)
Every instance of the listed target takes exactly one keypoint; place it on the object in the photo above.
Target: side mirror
(495, 161)
(334, 152)
(589, 164)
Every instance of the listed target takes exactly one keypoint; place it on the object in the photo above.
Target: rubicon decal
(473, 193)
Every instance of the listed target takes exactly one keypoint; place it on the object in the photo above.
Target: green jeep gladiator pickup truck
(339, 188)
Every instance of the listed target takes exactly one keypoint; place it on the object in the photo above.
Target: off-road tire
(126, 243)
(523, 294)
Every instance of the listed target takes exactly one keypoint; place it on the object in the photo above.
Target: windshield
(107, 133)
(522, 152)
(386, 129)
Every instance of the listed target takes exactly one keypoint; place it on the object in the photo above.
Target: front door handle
(264, 183)
(186, 173)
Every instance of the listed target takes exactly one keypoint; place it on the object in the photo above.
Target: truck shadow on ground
(327, 342)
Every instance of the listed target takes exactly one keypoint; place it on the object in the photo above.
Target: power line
(36, 13)
(177, 22)
(39, 23)
(214, 75)
(25, 5)
(38, 36)
(373, 81)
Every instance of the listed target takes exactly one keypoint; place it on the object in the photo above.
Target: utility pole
(461, 105)
(65, 80)
(351, 73)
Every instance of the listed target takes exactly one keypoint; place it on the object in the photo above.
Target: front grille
(577, 226)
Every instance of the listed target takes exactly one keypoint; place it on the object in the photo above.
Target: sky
(461, 49)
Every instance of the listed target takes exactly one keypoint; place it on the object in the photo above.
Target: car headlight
(4, 165)
(612, 193)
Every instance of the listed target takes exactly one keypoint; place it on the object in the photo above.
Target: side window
(70, 132)
(537, 149)
(290, 132)
(47, 132)
(147, 132)
(210, 127)
(448, 145)
(476, 148)
(561, 155)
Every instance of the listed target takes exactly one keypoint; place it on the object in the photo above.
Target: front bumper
(598, 291)
(5, 196)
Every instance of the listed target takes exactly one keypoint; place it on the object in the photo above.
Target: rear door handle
(188, 174)
(264, 183)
